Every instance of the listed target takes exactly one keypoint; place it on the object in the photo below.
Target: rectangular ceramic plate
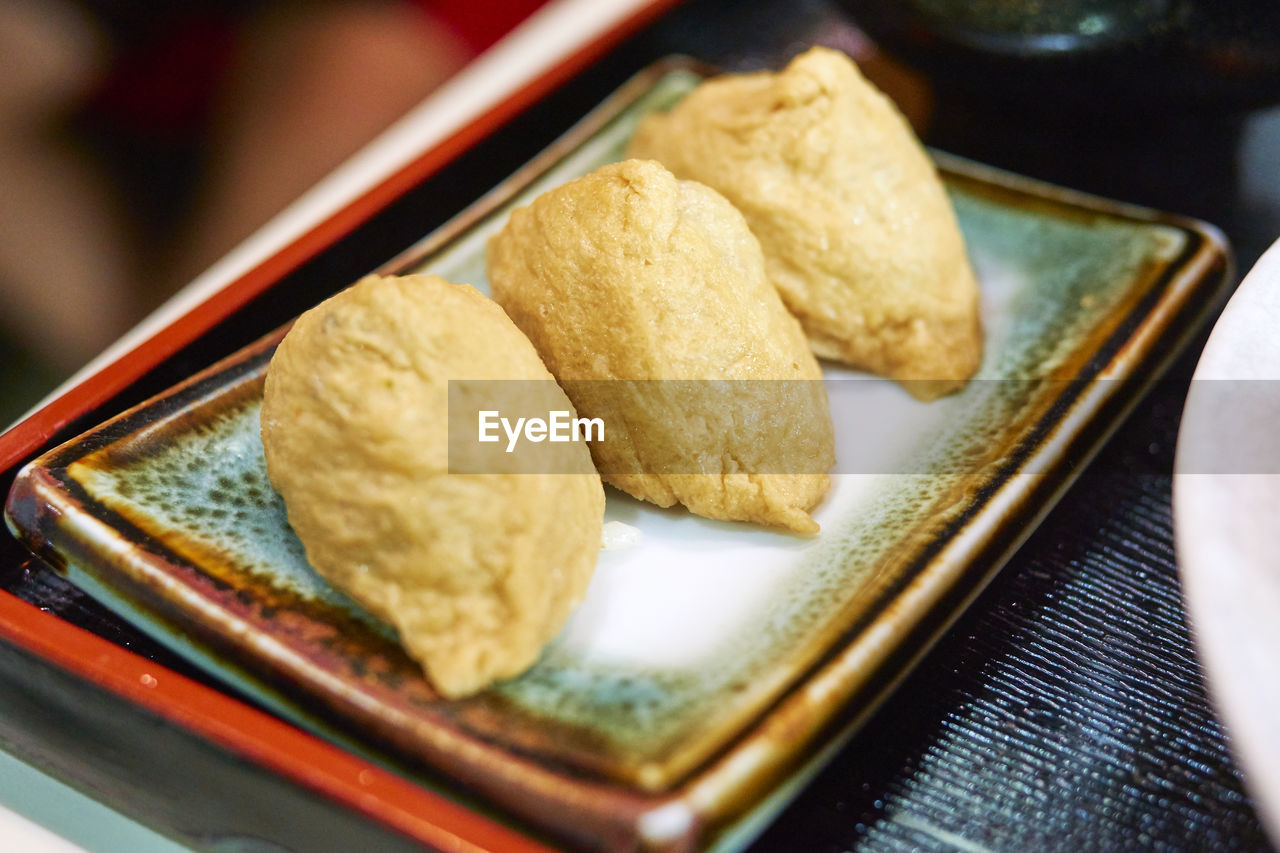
(712, 662)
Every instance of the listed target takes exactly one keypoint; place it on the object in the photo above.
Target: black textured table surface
(1066, 710)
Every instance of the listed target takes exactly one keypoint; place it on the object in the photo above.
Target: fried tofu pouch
(647, 298)
(858, 234)
(475, 571)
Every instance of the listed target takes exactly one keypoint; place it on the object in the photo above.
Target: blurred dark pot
(1114, 58)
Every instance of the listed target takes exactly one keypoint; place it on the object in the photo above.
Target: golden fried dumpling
(475, 571)
(858, 234)
(647, 298)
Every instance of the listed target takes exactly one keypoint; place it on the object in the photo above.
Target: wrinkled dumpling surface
(858, 234)
(648, 300)
(475, 571)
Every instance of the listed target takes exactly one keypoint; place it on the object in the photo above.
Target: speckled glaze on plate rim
(863, 657)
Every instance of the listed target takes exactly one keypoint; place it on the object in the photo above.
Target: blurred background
(140, 141)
